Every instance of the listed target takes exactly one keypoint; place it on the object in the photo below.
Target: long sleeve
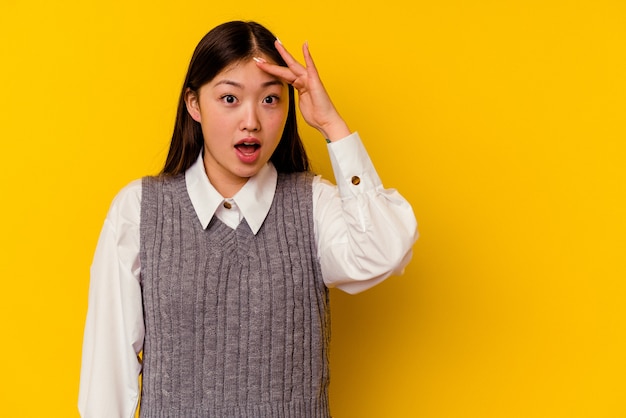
(365, 233)
(114, 327)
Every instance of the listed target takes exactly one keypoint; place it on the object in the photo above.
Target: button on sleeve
(352, 167)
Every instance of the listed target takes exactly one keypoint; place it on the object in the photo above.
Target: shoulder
(154, 188)
(309, 182)
(128, 197)
(162, 181)
(125, 208)
(295, 179)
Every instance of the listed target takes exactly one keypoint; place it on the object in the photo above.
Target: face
(242, 112)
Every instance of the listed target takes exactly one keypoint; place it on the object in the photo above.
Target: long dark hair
(226, 44)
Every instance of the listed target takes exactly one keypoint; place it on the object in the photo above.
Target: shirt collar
(254, 199)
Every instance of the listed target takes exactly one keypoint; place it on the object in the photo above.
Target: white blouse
(364, 234)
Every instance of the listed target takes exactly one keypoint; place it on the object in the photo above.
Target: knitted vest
(237, 324)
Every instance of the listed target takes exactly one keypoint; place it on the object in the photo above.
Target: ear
(193, 104)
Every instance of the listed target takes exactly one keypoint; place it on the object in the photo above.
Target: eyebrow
(275, 82)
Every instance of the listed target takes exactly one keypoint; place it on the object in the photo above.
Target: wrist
(335, 131)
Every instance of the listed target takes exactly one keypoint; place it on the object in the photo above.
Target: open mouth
(247, 148)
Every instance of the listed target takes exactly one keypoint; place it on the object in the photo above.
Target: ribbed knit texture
(237, 324)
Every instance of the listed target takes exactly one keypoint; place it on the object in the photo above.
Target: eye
(229, 99)
(271, 99)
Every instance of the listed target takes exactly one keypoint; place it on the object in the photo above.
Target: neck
(228, 190)
(225, 185)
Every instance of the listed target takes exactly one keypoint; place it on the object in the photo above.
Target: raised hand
(315, 105)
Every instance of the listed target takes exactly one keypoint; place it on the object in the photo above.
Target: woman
(218, 270)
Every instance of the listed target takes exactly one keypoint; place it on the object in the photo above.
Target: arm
(114, 327)
(364, 233)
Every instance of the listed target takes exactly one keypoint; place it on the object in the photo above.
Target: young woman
(218, 269)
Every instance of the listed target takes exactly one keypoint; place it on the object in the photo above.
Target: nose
(250, 119)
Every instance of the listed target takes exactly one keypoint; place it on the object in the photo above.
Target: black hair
(224, 45)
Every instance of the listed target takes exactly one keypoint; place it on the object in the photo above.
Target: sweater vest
(236, 324)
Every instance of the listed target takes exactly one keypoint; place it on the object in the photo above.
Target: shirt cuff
(354, 172)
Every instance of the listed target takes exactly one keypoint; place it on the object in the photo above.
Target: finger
(291, 62)
(284, 73)
(308, 59)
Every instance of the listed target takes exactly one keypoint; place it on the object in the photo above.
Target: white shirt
(364, 234)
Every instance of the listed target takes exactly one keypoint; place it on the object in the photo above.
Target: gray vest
(237, 324)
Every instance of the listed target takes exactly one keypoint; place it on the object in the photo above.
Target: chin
(249, 172)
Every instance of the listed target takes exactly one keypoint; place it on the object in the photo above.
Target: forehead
(243, 70)
(244, 75)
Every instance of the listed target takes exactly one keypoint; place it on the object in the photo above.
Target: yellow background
(501, 121)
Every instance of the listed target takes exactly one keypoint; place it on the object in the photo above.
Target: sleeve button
(356, 180)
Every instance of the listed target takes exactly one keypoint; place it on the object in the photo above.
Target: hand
(315, 105)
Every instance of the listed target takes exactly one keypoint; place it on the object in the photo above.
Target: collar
(253, 200)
